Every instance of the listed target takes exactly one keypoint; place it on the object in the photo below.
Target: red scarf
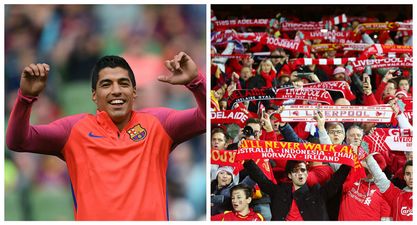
(359, 65)
(251, 149)
(312, 94)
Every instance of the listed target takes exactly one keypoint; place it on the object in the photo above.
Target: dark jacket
(220, 198)
(310, 200)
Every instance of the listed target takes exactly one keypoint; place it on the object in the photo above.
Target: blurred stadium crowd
(71, 38)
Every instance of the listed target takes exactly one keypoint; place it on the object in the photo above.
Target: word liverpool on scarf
(337, 113)
(360, 65)
(312, 94)
(251, 149)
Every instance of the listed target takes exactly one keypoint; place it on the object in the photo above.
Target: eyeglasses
(302, 170)
(335, 131)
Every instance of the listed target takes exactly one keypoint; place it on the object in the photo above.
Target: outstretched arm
(43, 139)
(185, 124)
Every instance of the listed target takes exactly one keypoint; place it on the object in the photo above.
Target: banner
(337, 113)
(236, 116)
(312, 94)
(311, 61)
(386, 139)
(341, 86)
(359, 65)
(228, 158)
(303, 26)
(408, 109)
(273, 43)
(391, 26)
(385, 49)
(329, 36)
(252, 149)
(224, 157)
(340, 46)
(227, 24)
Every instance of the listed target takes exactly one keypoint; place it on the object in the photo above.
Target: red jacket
(401, 203)
(235, 216)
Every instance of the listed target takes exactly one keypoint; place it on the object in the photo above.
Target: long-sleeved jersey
(115, 174)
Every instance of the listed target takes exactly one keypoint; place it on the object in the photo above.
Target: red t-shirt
(362, 201)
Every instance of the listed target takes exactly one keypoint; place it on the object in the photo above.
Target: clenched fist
(33, 79)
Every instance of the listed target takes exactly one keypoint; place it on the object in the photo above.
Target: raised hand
(319, 117)
(33, 79)
(388, 76)
(266, 122)
(183, 69)
(367, 87)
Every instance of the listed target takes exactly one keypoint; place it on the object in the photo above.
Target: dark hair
(408, 163)
(219, 130)
(246, 189)
(112, 62)
(253, 120)
(291, 164)
(393, 81)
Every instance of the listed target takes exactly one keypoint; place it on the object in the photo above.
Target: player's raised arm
(183, 69)
(182, 125)
(20, 135)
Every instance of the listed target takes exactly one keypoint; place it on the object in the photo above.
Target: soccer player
(117, 159)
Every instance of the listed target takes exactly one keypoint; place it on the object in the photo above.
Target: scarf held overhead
(337, 113)
(252, 149)
(386, 139)
(312, 94)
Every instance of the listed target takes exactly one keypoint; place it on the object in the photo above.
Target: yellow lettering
(232, 156)
(345, 149)
(215, 155)
(223, 157)
(308, 146)
(296, 145)
(317, 147)
(244, 144)
(268, 144)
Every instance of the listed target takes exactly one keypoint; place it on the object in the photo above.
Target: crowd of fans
(381, 189)
(71, 38)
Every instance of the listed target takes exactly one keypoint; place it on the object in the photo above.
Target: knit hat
(227, 169)
(339, 69)
(401, 93)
